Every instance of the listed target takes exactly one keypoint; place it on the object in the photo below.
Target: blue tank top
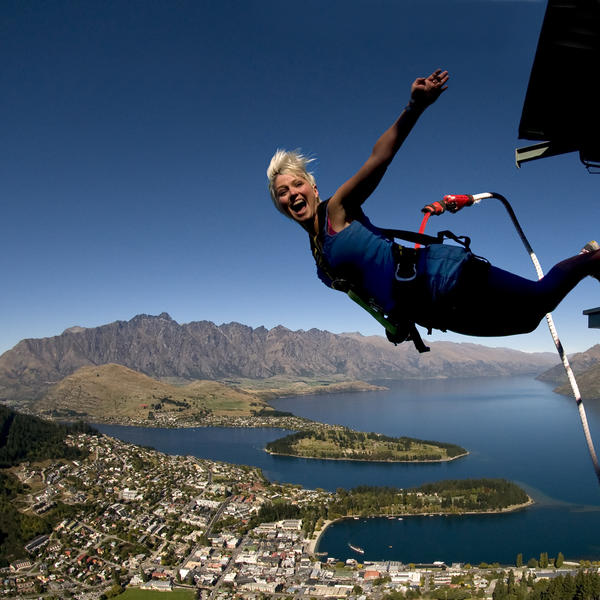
(364, 256)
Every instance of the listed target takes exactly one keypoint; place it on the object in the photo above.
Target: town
(141, 518)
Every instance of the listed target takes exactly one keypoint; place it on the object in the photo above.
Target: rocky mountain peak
(160, 347)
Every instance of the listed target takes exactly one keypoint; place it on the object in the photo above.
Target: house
(36, 543)
(20, 564)
(157, 585)
(372, 574)
(291, 524)
(410, 578)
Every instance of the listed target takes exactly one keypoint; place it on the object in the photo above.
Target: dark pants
(488, 301)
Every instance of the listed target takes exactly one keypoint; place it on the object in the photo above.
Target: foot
(590, 247)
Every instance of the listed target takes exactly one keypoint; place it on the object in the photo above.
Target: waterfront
(514, 428)
(470, 538)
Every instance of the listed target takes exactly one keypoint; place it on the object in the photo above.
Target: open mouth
(298, 206)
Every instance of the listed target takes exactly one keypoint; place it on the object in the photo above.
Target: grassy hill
(120, 394)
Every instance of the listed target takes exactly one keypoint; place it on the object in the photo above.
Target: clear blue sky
(136, 135)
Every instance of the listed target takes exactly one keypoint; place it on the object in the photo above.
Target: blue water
(470, 538)
(515, 428)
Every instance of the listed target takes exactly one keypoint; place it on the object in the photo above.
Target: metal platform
(561, 110)
(593, 315)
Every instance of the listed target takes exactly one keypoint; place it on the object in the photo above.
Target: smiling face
(296, 197)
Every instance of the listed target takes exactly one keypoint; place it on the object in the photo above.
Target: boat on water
(356, 548)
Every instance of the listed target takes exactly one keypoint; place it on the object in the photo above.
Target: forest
(27, 438)
(476, 494)
(448, 497)
(24, 437)
(584, 585)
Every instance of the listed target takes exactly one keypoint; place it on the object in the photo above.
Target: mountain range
(161, 348)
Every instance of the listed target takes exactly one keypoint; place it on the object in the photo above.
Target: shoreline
(439, 460)
(313, 543)
(286, 425)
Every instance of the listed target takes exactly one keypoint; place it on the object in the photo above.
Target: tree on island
(519, 561)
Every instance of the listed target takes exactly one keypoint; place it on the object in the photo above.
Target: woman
(451, 289)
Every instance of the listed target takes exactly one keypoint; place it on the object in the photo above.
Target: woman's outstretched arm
(351, 194)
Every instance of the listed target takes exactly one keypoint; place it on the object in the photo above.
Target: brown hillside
(580, 363)
(93, 393)
(586, 367)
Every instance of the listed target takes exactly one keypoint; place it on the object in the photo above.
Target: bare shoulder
(339, 216)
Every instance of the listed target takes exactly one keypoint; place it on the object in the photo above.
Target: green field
(137, 594)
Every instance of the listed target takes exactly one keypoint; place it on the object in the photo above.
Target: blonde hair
(288, 162)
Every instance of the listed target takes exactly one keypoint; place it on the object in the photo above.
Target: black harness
(399, 327)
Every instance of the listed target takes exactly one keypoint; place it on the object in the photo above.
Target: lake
(514, 428)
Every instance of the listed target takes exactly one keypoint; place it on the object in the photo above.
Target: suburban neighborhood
(141, 518)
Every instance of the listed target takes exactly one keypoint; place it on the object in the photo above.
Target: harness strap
(398, 328)
(397, 331)
(411, 236)
(424, 239)
(416, 339)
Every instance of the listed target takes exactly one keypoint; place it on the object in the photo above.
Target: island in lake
(342, 443)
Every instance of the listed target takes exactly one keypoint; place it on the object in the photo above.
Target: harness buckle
(399, 276)
(406, 263)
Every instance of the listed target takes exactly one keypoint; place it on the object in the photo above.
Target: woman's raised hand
(426, 90)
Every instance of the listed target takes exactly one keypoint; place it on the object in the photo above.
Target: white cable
(553, 333)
